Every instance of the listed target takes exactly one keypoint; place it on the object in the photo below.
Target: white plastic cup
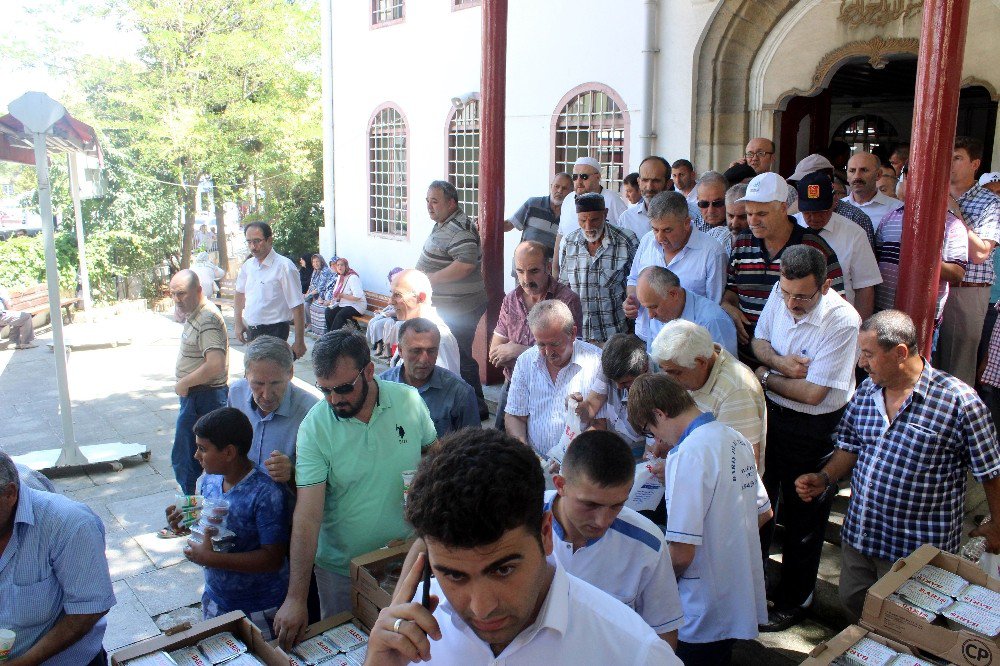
(6, 643)
(408, 476)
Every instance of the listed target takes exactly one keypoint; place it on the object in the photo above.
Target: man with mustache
(512, 336)
(863, 172)
(351, 451)
(538, 218)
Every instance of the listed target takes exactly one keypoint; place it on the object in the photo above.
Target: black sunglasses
(343, 389)
(583, 176)
(715, 203)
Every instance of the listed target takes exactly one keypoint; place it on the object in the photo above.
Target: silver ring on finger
(396, 624)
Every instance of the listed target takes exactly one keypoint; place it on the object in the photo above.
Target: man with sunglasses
(586, 180)
(806, 341)
(710, 198)
(352, 450)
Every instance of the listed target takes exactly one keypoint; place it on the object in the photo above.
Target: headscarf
(338, 289)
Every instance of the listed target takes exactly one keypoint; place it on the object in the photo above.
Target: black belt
(277, 323)
(201, 388)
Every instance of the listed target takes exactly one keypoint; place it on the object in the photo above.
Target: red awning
(68, 135)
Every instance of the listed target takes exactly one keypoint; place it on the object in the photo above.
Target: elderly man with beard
(451, 401)
(538, 218)
(586, 180)
(512, 336)
(352, 450)
(596, 259)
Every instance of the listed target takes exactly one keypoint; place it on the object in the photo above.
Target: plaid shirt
(908, 486)
(981, 209)
(858, 216)
(599, 280)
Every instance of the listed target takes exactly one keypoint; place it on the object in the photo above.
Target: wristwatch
(763, 379)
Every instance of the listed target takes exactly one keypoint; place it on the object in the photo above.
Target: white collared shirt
(828, 336)
(630, 562)
(577, 624)
(701, 266)
(272, 289)
(569, 221)
(636, 218)
(533, 393)
(857, 260)
(879, 206)
(713, 498)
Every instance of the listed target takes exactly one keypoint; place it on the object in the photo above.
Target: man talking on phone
(477, 502)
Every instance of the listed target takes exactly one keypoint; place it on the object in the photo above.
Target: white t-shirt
(577, 624)
(630, 562)
(272, 289)
(828, 335)
(713, 498)
(850, 242)
(568, 220)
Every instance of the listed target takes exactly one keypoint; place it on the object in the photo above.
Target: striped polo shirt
(204, 329)
(753, 272)
(455, 239)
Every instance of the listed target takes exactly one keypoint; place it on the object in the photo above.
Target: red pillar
(939, 77)
(491, 166)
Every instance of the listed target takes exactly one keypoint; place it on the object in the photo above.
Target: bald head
(411, 289)
(531, 267)
(863, 171)
(185, 290)
(760, 154)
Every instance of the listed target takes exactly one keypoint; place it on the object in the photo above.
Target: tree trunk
(188, 202)
(220, 229)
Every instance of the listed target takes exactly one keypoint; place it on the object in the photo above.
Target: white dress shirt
(701, 266)
(272, 288)
(828, 336)
(568, 221)
(879, 206)
(636, 218)
(577, 624)
(857, 259)
(533, 393)
(630, 562)
(713, 498)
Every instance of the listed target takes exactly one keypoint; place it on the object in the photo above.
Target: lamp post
(38, 113)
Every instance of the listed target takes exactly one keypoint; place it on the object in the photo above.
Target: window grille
(387, 173)
(463, 156)
(592, 124)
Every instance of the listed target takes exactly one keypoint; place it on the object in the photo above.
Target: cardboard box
(366, 573)
(824, 653)
(325, 625)
(236, 622)
(964, 647)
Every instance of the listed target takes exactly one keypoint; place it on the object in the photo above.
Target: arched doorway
(871, 108)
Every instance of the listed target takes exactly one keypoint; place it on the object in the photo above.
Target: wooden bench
(35, 301)
(376, 303)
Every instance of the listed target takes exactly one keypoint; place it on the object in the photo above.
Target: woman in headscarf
(320, 282)
(305, 271)
(346, 297)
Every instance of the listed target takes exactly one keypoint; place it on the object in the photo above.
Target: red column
(491, 167)
(935, 111)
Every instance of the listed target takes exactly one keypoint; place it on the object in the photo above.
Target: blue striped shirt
(908, 485)
(54, 565)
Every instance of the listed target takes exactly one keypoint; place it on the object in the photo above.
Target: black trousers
(337, 316)
(279, 330)
(797, 444)
(716, 653)
(101, 659)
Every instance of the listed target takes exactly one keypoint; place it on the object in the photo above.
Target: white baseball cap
(809, 164)
(767, 187)
(989, 177)
(588, 161)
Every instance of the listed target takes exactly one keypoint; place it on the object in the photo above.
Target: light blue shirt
(450, 400)
(277, 430)
(700, 266)
(54, 565)
(703, 312)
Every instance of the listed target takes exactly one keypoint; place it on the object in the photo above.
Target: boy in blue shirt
(252, 576)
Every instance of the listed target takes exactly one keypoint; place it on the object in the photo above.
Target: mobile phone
(425, 597)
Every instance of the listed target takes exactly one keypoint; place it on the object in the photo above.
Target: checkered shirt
(908, 486)
(858, 216)
(981, 209)
(599, 281)
(991, 375)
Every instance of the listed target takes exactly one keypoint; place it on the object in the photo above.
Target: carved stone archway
(728, 49)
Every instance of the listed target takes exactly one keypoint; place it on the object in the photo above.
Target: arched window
(463, 156)
(387, 173)
(591, 120)
(862, 133)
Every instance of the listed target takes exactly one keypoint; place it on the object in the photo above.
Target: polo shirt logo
(401, 433)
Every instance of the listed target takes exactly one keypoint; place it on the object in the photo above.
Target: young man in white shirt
(715, 505)
(597, 538)
(477, 502)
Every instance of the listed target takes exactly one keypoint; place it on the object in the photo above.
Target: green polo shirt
(362, 465)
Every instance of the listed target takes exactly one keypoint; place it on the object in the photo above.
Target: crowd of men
(732, 333)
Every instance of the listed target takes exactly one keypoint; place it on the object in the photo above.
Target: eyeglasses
(796, 297)
(645, 432)
(255, 241)
(343, 389)
(758, 154)
(584, 176)
(715, 203)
